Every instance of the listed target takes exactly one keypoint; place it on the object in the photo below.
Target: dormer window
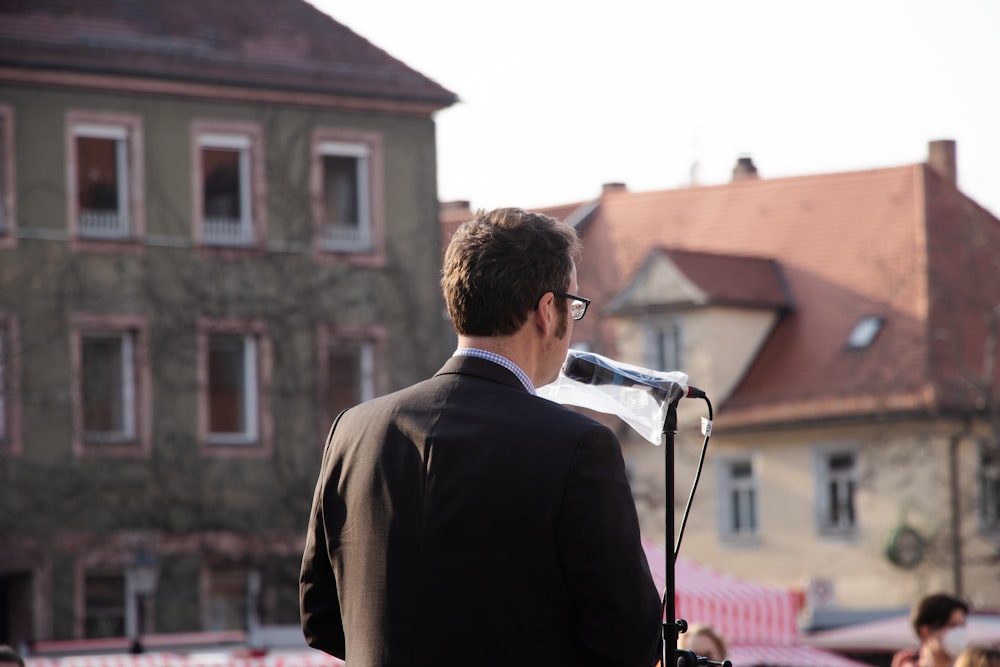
(864, 332)
(664, 344)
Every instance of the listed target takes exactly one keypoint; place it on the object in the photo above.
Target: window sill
(740, 541)
(231, 441)
(838, 534)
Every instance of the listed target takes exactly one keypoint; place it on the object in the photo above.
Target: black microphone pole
(671, 626)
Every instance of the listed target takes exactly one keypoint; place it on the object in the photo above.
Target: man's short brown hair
(499, 264)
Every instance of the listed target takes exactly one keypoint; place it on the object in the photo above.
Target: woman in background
(704, 641)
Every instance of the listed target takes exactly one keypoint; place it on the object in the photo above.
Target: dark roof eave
(440, 102)
(582, 215)
(646, 309)
(858, 419)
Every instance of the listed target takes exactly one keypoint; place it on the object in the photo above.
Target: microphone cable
(707, 431)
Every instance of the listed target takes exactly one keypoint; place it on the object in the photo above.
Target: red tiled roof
(733, 279)
(849, 244)
(275, 44)
(901, 243)
(963, 246)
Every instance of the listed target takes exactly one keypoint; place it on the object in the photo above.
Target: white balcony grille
(103, 225)
(347, 238)
(228, 231)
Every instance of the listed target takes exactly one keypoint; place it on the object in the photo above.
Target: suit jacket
(464, 521)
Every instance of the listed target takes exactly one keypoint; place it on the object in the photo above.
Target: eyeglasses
(577, 304)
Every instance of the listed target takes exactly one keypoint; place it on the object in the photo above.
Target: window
(234, 359)
(232, 388)
(348, 373)
(864, 332)
(232, 598)
(989, 486)
(738, 498)
(225, 168)
(350, 368)
(104, 605)
(4, 391)
(9, 404)
(229, 184)
(664, 345)
(110, 383)
(346, 189)
(346, 215)
(105, 177)
(836, 490)
(108, 391)
(8, 217)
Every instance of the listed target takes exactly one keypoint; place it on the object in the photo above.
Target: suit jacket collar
(483, 368)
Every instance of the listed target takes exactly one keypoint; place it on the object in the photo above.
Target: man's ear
(543, 313)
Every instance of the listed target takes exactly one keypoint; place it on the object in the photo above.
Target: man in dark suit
(465, 520)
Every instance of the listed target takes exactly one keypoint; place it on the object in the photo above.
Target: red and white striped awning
(303, 658)
(758, 622)
(108, 660)
(786, 655)
(740, 610)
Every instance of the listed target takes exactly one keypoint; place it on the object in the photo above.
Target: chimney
(451, 214)
(608, 188)
(456, 205)
(941, 156)
(744, 169)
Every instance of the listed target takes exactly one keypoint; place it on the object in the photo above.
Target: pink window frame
(11, 404)
(258, 185)
(140, 445)
(327, 334)
(264, 445)
(376, 204)
(8, 238)
(136, 181)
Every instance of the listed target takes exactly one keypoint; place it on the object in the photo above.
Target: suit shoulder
(568, 419)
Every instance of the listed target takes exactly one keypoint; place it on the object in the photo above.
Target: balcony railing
(347, 238)
(228, 231)
(103, 225)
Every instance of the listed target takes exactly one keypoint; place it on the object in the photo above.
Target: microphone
(590, 368)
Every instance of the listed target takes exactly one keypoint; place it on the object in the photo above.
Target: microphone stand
(672, 627)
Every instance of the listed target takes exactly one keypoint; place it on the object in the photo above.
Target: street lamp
(141, 577)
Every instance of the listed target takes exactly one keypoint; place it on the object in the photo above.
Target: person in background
(979, 656)
(465, 520)
(939, 623)
(704, 641)
(10, 658)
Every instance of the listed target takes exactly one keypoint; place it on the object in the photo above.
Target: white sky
(561, 96)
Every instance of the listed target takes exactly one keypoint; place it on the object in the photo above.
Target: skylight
(864, 332)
